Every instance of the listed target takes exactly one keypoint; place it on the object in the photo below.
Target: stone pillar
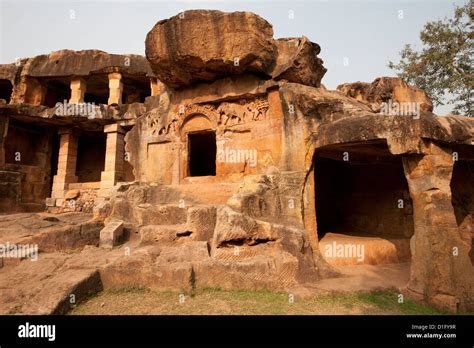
(441, 271)
(78, 89)
(3, 135)
(67, 159)
(155, 88)
(114, 156)
(115, 88)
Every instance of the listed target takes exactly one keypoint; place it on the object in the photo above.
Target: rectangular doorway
(202, 153)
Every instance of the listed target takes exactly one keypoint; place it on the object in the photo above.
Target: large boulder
(384, 90)
(298, 61)
(202, 46)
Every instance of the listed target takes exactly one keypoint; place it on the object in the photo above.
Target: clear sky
(357, 37)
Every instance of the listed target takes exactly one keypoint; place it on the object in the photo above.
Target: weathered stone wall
(441, 269)
(385, 89)
(10, 191)
(248, 137)
(28, 151)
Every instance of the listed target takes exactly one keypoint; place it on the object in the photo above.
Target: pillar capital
(113, 128)
(68, 130)
(115, 76)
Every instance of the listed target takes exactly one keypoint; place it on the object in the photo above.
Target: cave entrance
(202, 152)
(6, 89)
(90, 156)
(462, 189)
(362, 198)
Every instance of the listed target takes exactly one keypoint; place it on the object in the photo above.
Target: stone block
(112, 234)
(50, 202)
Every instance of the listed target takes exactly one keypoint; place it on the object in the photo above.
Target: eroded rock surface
(203, 46)
(384, 89)
(206, 45)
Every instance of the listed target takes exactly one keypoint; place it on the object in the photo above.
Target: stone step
(191, 194)
(197, 222)
(160, 214)
(162, 233)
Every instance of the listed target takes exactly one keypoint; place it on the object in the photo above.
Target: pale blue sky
(368, 32)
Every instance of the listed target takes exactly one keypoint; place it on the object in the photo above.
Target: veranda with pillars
(74, 156)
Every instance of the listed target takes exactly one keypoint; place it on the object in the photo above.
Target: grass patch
(389, 300)
(215, 301)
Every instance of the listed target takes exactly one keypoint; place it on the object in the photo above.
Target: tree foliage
(444, 66)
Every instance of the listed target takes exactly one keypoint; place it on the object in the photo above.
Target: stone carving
(228, 113)
(257, 108)
(234, 113)
(231, 113)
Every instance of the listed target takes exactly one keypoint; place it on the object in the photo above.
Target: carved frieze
(227, 114)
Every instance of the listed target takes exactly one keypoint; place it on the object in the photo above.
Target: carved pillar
(78, 89)
(67, 159)
(115, 88)
(114, 156)
(441, 270)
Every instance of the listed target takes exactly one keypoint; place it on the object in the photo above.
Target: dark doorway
(55, 141)
(57, 91)
(135, 89)
(90, 156)
(202, 153)
(365, 196)
(6, 89)
(97, 90)
(21, 144)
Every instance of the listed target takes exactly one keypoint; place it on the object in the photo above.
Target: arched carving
(195, 123)
(189, 112)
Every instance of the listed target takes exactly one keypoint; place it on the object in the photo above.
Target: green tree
(444, 66)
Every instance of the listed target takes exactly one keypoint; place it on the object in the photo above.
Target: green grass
(139, 300)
